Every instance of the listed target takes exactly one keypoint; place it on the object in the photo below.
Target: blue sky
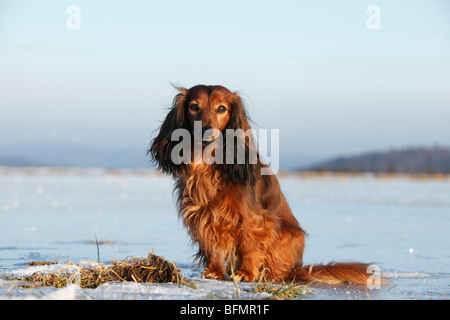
(309, 68)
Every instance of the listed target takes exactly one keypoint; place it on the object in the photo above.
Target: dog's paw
(244, 276)
(212, 274)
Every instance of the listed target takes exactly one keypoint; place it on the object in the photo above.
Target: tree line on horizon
(408, 160)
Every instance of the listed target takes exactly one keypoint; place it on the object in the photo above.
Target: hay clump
(153, 269)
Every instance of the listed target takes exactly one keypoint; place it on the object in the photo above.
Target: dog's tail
(337, 272)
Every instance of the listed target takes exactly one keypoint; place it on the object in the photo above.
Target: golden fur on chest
(212, 221)
(215, 215)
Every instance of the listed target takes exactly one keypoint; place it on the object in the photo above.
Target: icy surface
(400, 225)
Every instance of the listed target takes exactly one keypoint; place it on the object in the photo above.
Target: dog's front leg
(251, 261)
(213, 271)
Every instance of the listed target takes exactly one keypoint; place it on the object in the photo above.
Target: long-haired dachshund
(238, 217)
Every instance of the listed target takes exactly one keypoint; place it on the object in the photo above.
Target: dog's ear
(242, 141)
(160, 150)
(239, 117)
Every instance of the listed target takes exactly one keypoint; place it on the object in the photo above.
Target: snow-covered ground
(400, 225)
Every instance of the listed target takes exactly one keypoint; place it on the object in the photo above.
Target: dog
(238, 217)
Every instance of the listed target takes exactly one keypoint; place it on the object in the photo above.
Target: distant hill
(408, 160)
(12, 161)
(43, 155)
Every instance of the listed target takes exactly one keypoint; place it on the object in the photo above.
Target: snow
(401, 225)
(205, 289)
(28, 271)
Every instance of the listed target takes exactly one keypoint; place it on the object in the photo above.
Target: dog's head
(210, 107)
(206, 112)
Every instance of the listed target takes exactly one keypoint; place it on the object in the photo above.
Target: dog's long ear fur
(161, 147)
(247, 173)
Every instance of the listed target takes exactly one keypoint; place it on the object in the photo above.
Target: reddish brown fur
(237, 217)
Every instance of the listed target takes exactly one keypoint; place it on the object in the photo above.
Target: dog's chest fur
(205, 210)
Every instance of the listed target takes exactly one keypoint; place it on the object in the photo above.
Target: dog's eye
(221, 109)
(194, 107)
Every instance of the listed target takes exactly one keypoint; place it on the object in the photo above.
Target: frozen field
(400, 225)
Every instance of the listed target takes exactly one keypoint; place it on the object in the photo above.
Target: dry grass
(281, 291)
(153, 269)
(39, 263)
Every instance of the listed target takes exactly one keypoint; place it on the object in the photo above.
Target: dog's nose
(206, 128)
(207, 135)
